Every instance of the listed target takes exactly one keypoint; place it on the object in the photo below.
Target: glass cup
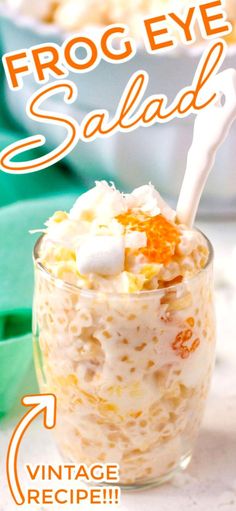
(131, 372)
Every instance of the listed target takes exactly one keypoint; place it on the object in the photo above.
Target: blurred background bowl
(157, 154)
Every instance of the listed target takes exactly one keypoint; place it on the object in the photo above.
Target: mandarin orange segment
(181, 345)
(162, 236)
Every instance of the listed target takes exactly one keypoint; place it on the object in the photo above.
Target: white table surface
(210, 481)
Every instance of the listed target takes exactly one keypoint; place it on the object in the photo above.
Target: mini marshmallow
(104, 255)
(150, 202)
(102, 202)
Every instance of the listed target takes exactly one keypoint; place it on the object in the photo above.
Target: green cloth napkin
(15, 360)
(16, 272)
(16, 284)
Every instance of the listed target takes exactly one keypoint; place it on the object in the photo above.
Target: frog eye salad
(121, 242)
(124, 331)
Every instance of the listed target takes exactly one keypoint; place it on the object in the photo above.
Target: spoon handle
(211, 128)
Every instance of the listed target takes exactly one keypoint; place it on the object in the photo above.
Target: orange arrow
(40, 403)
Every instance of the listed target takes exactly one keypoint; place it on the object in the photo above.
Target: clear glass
(131, 372)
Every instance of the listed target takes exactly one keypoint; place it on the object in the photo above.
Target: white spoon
(211, 128)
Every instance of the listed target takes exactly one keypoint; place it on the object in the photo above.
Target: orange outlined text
(132, 112)
(46, 61)
(115, 44)
(64, 484)
(59, 484)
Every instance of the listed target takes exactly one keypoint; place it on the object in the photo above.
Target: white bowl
(157, 153)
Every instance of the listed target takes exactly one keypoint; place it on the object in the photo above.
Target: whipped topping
(104, 202)
(148, 200)
(101, 202)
